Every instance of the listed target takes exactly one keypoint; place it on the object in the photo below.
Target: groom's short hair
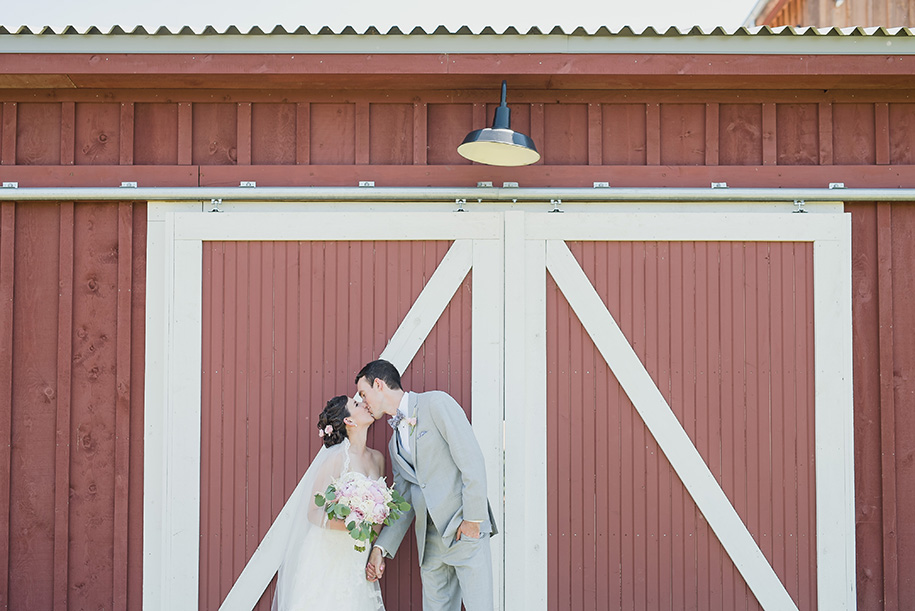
(381, 370)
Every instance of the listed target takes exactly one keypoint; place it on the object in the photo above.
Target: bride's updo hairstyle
(334, 413)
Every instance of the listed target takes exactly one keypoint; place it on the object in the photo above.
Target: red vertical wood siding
(565, 142)
(725, 330)
(270, 129)
(882, 275)
(682, 134)
(114, 130)
(901, 123)
(320, 311)
(97, 134)
(215, 134)
(273, 134)
(623, 134)
(740, 134)
(38, 127)
(71, 378)
(155, 134)
(797, 135)
(447, 126)
(391, 134)
(333, 134)
(854, 134)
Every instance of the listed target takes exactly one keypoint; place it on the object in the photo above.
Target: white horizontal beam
(448, 195)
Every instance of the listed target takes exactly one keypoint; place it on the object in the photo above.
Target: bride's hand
(374, 568)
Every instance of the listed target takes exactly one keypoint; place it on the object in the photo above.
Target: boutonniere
(411, 422)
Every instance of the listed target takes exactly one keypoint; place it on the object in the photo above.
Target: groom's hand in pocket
(470, 530)
(374, 568)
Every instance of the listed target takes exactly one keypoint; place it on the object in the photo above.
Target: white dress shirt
(403, 429)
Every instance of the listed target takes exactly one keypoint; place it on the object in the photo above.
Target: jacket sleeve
(392, 535)
(454, 427)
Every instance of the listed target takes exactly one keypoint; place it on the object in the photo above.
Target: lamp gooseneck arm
(502, 117)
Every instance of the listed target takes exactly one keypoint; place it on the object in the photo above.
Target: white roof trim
(758, 40)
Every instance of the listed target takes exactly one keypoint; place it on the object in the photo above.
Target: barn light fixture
(499, 145)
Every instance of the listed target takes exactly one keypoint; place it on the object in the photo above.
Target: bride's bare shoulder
(377, 459)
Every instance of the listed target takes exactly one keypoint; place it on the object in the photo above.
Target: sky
(380, 13)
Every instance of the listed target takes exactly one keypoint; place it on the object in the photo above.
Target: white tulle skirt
(320, 567)
(330, 575)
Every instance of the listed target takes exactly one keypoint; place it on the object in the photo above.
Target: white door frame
(176, 232)
(512, 250)
(535, 243)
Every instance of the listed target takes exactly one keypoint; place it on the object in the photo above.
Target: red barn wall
(72, 275)
(72, 337)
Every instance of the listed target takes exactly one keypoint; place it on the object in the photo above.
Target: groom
(438, 467)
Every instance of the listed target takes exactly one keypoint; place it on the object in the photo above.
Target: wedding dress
(321, 569)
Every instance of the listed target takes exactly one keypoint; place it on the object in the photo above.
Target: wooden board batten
(903, 324)
(769, 129)
(67, 132)
(8, 134)
(122, 403)
(659, 550)
(595, 135)
(271, 362)
(538, 129)
(125, 137)
(479, 116)
(712, 126)
(882, 135)
(887, 365)
(826, 133)
(420, 126)
(653, 134)
(7, 269)
(362, 138)
(303, 133)
(137, 423)
(185, 139)
(64, 399)
(243, 133)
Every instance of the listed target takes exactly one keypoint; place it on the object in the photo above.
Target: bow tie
(396, 419)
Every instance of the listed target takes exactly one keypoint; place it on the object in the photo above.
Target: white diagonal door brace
(401, 349)
(666, 429)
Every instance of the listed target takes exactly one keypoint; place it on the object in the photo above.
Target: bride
(321, 569)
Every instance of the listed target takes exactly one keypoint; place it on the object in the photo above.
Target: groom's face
(371, 396)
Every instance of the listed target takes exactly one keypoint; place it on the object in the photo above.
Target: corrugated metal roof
(279, 30)
(463, 40)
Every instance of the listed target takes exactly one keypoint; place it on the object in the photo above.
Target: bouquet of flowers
(361, 503)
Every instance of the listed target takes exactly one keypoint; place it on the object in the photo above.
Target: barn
(682, 336)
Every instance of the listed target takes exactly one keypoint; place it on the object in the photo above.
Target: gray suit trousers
(461, 571)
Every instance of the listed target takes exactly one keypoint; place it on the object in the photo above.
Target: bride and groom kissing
(438, 468)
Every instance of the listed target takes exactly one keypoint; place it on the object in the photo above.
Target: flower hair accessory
(327, 430)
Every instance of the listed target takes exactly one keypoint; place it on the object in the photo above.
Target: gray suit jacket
(448, 475)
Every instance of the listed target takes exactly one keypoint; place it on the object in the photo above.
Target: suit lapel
(394, 452)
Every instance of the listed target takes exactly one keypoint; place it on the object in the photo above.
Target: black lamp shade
(499, 145)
